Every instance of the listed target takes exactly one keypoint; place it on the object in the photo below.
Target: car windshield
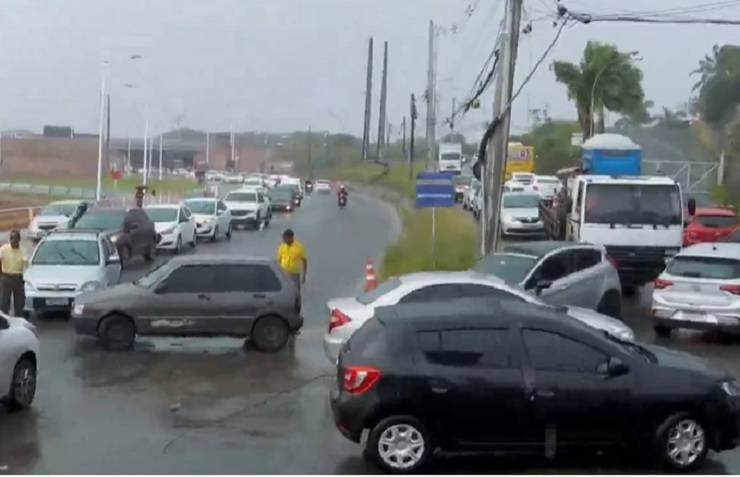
(633, 204)
(450, 156)
(511, 268)
(705, 267)
(242, 197)
(201, 206)
(102, 219)
(521, 201)
(157, 214)
(282, 193)
(58, 209)
(154, 276)
(716, 221)
(385, 287)
(67, 252)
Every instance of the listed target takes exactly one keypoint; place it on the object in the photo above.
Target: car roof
(540, 248)
(715, 211)
(717, 249)
(211, 259)
(201, 199)
(66, 234)
(105, 209)
(552, 178)
(447, 276)
(163, 206)
(626, 180)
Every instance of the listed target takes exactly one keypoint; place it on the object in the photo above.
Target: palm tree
(707, 68)
(605, 79)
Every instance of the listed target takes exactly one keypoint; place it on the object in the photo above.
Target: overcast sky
(282, 65)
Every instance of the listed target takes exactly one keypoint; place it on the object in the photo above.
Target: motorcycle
(309, 187)
(342, 201)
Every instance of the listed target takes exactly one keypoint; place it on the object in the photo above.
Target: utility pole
(128, 155)
(403, 138)
(107, 133)
(383, 96)
(146, 150)
(413, 115)
(231, 140)
(208, 148)
(368, 102)
(452, 116)
(431, 99)
(498, 146)
(98, 187)
(160, 157)
(310, 166)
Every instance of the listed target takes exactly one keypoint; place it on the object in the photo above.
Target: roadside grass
(126, 184)
(457, 236)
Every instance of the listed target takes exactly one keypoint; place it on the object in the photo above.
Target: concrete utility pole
(146, 151)
(98, 184)
(383, 96)
(128, 155)
(413, 115)
(310, 166)
(160, 157)
(107, 133)
(452, 116)
(498, 146)
(431, 99)
(368, 102)
(403, 138)
(208, 148)
(231, 140)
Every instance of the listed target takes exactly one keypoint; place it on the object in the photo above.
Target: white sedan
(212, 218)
(19, 349)
(175, 225)
(323, 186)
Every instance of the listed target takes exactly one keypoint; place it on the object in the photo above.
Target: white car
(175, 225)
(19, 351)
(513, 186)
(294, 181)
(699, 289)
(470, 193)
(546, 186)
(347, 315)
(53, 216)
(249, 206)
(255, 182)
(323, 186)
(524, 178)
(520, 215)
(212, 218)
(477, 203)
(233, 179)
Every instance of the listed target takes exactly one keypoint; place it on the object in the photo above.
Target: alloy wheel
(401, 446)
(685, 443)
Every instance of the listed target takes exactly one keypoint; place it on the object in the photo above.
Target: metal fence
(697, 178)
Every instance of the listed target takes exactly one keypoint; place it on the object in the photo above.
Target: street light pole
(146, 150)
(98, 184)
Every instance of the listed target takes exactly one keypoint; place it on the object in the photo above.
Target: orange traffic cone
(371, 282)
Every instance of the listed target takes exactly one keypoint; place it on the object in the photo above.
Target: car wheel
(23, 384)
(611, 304)
(228, 232)
(117, 333)
(214, 237)
(270, 334)
(681, 442)
(178, 246)
(662, 331)
(399, 444)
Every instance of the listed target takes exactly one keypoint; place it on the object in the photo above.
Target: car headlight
(114, 238)
(625, 334)
(90, 286)
(209, 220)
(509, 219)
(168, 230)
(78, 308)
(732, 388)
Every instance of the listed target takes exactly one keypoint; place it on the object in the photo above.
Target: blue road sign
(434, 189)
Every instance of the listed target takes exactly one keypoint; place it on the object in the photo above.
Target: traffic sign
(434, 189)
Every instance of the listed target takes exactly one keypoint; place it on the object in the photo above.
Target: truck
(520, 158)
(605, 201)
(450, 157)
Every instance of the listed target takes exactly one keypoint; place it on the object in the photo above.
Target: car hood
(203, 217)
(679, 360)
(51, 219)
(602, 322)
(251, 206)
(119, 293)
(521, 212)
(160, 227)
(54, 274)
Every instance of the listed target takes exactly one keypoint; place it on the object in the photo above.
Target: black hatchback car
(502, 376)
(132, 231)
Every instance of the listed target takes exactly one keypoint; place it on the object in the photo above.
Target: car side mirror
(692, 206)
(113, 260)
(542, 285)
(613, 367)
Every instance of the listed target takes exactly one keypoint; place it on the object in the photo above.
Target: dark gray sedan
(196, 296)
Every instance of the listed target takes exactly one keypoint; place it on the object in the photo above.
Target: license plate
(57, 301)
(697, 317)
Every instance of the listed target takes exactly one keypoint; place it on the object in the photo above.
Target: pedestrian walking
(12, 264)
(291, 256)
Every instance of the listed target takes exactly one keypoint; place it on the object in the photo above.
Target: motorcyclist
(342, 194)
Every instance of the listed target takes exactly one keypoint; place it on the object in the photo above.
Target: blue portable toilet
(611, 155)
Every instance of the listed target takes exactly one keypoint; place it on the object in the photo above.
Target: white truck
(606, 201)
(450, 157)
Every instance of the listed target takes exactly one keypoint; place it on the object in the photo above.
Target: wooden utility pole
(498, 146)
(431, 99)
(383, 96)
(413, 115)
(368, 102)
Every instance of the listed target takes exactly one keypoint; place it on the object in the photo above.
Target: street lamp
(631, 55)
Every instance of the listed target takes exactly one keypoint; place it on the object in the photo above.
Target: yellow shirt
(12, 259)
(290, 257)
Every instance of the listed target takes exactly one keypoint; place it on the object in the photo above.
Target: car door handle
(544, 394)
(204, 297)
(438, 386)
(259, 295)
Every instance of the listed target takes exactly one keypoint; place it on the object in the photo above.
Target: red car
(709, 225)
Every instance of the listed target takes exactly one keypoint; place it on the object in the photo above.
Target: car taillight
(614, 263)
(338, 319)
(661, 283)
(359, 379)
(734, 289)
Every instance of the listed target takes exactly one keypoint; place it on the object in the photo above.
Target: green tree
(552, 148)
(612, 78)
(719, 84)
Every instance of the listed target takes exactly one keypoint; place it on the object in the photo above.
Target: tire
(116, 333)
(681, 442)
(149, 254)
(214, 237)
(23, 384)
(611, 305)
(405, 430)
(270, 334)
(228, 232)
(178, 245)
(662, 331)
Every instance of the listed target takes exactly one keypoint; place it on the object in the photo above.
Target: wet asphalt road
(210, 406)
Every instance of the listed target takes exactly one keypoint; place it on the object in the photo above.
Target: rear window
(510, 268)
(705, 267)
(385, 287)
(466, 347)
(368, 341)
(716, 221)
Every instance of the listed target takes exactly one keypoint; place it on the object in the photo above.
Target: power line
(586, 18)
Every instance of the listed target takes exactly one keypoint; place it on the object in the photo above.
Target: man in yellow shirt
(291, 256)
(12, 264)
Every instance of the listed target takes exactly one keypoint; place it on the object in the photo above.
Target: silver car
(55, 215)
(699, 289)
(67, 263)
(346, 315)
(520, 214)
(560, 273)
